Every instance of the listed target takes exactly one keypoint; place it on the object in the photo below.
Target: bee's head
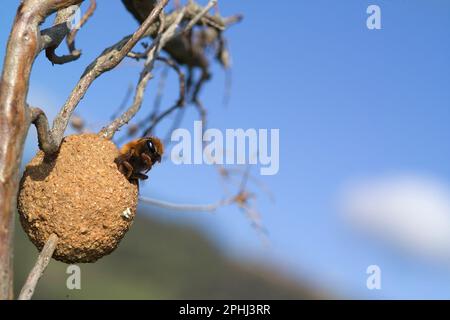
(155, 148)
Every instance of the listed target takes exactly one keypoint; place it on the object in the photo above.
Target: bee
(137, 157)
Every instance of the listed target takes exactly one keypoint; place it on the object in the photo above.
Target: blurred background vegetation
(161, 260)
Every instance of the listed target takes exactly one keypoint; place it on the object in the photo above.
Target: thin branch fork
(109, 59)
(145, 76)
(38, 270)
(199, 15)
(154, 115)
(194, 11)
(109, 131)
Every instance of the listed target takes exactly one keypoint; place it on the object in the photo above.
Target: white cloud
(410, 211)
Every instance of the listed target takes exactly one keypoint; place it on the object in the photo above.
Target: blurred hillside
(160, 260)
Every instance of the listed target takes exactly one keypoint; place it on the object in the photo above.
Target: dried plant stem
(156, 118)
(62, 19)
(39, 119)
(186, 207)
(200, 15)
(41, 263)
(71, 36)
(108, 60)
(109, 131)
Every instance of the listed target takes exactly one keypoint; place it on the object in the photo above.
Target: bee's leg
(141, 176)
(123, 165)
(147, 160)
(126, 168)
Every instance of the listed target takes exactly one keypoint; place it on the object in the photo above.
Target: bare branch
(140, 10)
(38, 270)
(228, 172)
(109, 131)
(109, 59)
(186, 207)
(53, 36)
(176, 124)
(233, 19)
(181, 78)
(45, 140)
(160, 91)
(200, 15)
(55, 59)
(23, 46)
(65, 14)
(57, 34)
(71, 37)
(241, 200)
(154, 118)
(181, 99)
(202, 113)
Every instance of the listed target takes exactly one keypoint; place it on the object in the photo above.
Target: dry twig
(179, 103)
(23, 46)
(62, 19)
(109, 131)
(200, 15)
(38, 270)
(70, 40)
(186, 207)
(109, 59)
(39, 119)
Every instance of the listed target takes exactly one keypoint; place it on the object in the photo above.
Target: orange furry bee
(138, 156)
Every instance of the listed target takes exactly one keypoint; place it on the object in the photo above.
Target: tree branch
(55, 59)
(71, 37)
(199, 15)
(109, 131)
(53, 36)
(186, 207)
(62, 18)
(23, 46)
(181, 99)
(45, 140)
(109, 59)
(39, 267)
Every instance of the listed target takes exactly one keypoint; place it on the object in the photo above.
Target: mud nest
(81, 196)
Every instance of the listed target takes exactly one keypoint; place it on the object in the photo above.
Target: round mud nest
(80, 195)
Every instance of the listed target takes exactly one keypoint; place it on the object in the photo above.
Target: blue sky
(349, 102)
